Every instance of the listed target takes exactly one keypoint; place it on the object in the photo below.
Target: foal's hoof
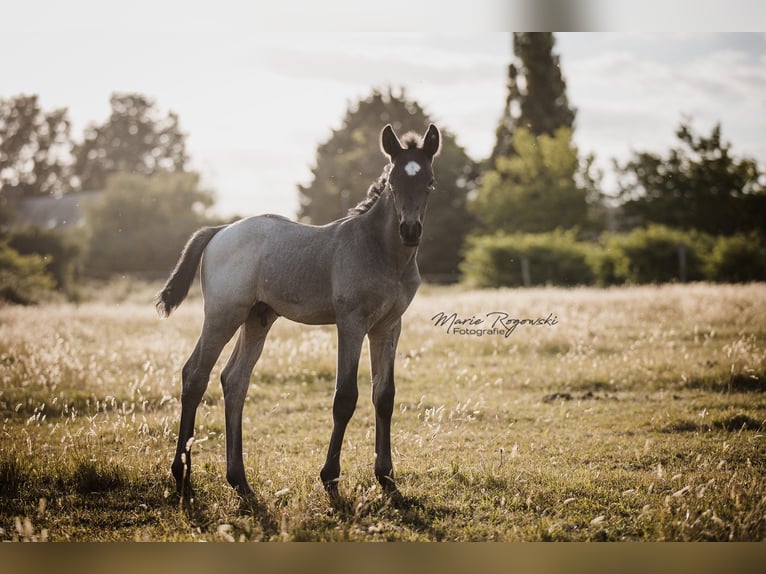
(389, 487)
(184, 488)
(245, 492)
(184, 492)
(331, 487)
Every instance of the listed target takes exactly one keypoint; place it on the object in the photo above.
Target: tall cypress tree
(531, 183)
(537, 98)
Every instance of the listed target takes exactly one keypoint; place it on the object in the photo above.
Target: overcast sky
(256, 104)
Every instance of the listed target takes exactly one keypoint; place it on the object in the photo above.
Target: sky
(256, 100)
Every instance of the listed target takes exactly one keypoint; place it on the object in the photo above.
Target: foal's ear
(389, 143)
(432, 140)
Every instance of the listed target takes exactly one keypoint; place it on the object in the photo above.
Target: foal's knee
(383, 399)
(344, 404)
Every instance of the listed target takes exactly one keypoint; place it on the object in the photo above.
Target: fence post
(525, 278)
(682, 262)
(763, 251)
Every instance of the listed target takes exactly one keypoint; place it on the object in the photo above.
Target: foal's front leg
(382, 355)
(350, 338)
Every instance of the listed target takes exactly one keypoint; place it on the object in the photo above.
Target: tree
(142, 222)
(535, 182)
(34, 148)
(350, 160)
(537, 98)
(137, 138)
(535, 190)
(699, 185)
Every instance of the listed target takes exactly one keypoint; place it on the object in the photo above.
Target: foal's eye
(432, 185)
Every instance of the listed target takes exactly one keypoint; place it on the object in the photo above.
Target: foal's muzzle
(410, 232)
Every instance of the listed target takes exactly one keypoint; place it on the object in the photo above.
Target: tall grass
(639, 415)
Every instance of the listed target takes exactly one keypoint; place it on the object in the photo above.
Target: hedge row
(23, 278)
(656, 254)
(63, 253)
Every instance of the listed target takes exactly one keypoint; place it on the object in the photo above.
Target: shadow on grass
(200, 510)
(735, 383)
(422, 514)
(252, 506)
(80, 475)
(730, 423)
(356, 515)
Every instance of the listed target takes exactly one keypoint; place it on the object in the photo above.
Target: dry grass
(639, 416)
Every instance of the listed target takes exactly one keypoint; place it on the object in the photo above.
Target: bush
(552, 258)
(23, 278)
(64, 254)
(608, 263)
(738, 259)
(653, 255)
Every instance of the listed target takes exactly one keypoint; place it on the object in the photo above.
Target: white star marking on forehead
(412, 168)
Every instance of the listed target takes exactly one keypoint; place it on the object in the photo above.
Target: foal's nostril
(410, 231)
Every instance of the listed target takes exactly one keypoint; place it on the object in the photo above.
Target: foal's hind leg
(216, 332)
(235, 379)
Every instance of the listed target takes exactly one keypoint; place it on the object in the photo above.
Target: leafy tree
(34, 147)
(535, 181)
(537, 98)
(699, 184)
(535, 190)
(142, 222)
(137, 138)
(350, 160)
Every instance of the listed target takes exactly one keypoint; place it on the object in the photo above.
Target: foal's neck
(382, 216)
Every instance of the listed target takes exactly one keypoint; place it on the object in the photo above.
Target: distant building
(66, 212)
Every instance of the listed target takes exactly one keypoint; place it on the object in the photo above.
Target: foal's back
(272, 260)
(298, 270)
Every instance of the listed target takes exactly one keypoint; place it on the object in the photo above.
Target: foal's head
(411, 177)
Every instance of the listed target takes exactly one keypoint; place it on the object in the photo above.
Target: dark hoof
(388, 484)
(245, 493)
(239, 483)
(184, 488)
(392, 492)
(332, 489)
(185, 492)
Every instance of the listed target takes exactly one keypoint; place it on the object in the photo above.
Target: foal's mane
(410, 140)
(373, 193)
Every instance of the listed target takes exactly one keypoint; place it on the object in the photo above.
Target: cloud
(627, 101)
(359, 62)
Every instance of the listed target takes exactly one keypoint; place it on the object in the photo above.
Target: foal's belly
(300, 296)
(301, 313)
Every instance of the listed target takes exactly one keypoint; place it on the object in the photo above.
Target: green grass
(639, 416)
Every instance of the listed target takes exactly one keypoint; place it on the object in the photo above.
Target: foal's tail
(177, 286)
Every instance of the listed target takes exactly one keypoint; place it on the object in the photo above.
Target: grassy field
(639, 415)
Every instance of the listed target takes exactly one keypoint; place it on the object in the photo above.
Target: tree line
(145, 201)
(533, 212)
(536, 201)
